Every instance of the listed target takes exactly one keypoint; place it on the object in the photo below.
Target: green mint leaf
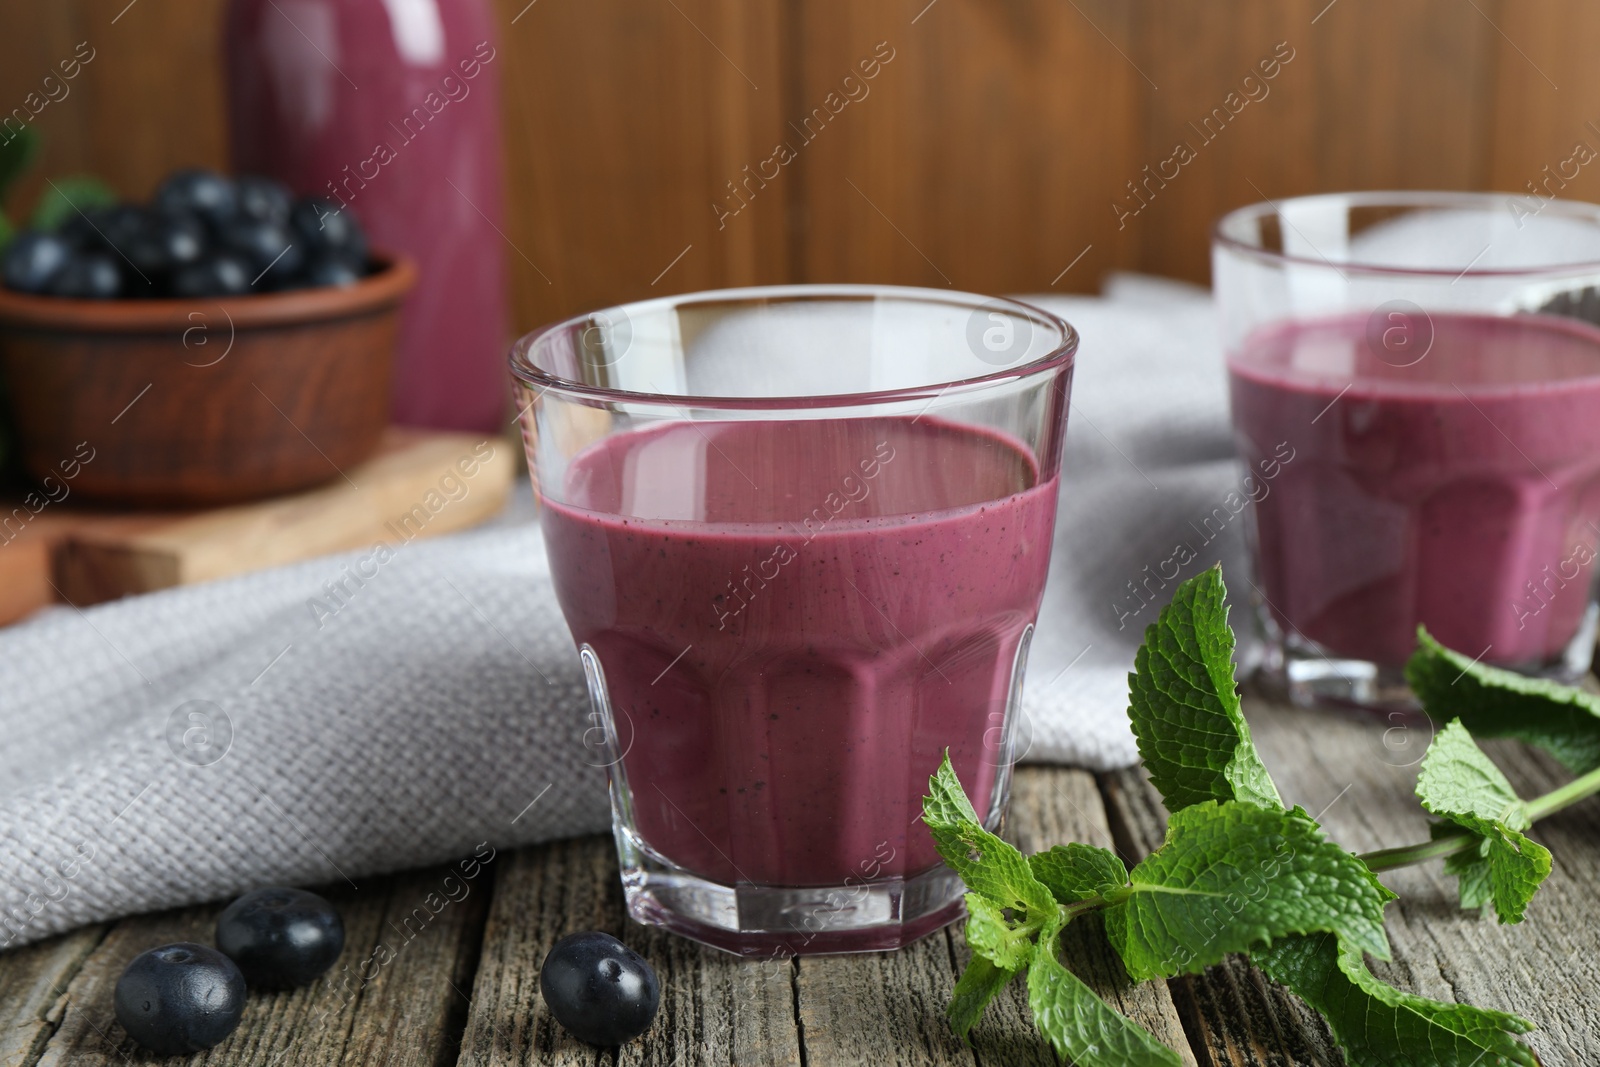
(1231, 877)
(991, 867)
(1463, 786)
(1082, 1028)
(990, 936)
(1494, 703)
(1456, 777)
(1078, 872)
(946, 801)
(17, 153)
(980, 983)
(1184, 705)
(65, 197)
(1379, 1025)
(1515, 867)
(1471, 869)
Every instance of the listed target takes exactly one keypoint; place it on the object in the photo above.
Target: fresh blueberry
(122, 224)
(218, 274)
(180, 998)
(88, 276)
(86, 229)
(203, 192)
(602, 991)
(270, 250)
(263, 199)
(327, 228)
(331, 270)
(167, 242)
(281, 938)
(33, 259)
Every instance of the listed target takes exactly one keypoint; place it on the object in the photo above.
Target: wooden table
(465, 988)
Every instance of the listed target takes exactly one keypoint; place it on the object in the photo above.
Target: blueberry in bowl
(199, 233)
(88, 276)
(33, 260)
(200, 342)
(205, 193)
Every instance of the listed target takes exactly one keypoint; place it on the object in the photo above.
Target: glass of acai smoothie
(800, 536)
(1415, 383)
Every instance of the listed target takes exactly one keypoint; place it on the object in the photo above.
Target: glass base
(1308, 675)
(867, 914)
(777, 921)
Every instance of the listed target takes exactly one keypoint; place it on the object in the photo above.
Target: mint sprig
(1231, 877)
(1461, 784)
(1240, 873)
(1184, 705)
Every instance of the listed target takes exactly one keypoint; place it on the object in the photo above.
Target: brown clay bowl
(190, 402)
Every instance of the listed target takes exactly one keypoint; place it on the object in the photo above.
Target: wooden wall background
(987, 154)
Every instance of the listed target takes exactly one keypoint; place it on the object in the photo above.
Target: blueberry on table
(272, 252)
(281, 938)
(33, 259)
(325, 228)
(180, 998)
(602, 991)
(88, 276)
(203, 192)
(218, 274)
(263, 199)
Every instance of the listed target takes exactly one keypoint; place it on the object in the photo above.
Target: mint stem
(1538, 808)
(1567, 795)
(1386, 859)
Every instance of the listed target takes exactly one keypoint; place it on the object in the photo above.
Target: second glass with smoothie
(1408, 372)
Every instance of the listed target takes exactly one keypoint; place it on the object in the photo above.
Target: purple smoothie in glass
(1461, 492)
(822, 616)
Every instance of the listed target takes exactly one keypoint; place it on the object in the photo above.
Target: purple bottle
(391, 107)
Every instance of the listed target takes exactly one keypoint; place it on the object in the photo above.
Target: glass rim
(1061, 354)
(1482, 201)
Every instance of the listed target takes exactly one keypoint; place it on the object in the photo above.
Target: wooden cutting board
(419, 484)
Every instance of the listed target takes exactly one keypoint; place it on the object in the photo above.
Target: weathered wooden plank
(539, 895)
(880, 1008)
(715, 1008)
(388, 999)
(1359, 771)
(413, 1011)
(32, 983)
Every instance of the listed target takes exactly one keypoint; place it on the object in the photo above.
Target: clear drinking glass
(1415, 384)
(800, 536)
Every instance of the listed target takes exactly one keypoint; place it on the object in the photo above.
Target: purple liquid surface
(1461, 492)
(795, 619)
